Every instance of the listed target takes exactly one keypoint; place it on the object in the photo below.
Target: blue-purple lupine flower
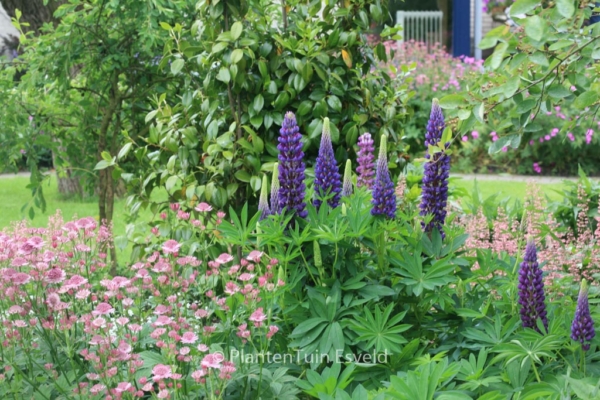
(365, 158)
(531, 290)
(435, 178)
(275, 190)
(263, 201)
(291, 167)
(347, 183)
(384, 195)
(327, 176)
(582, 329)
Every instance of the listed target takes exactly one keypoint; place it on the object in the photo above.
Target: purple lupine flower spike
(327, 176)
(384, 196)
(263, 201)
(291, 167)
(347, 185)
(582, 329)
(435, 125)
(365, 159)
(437, 171)
(275, 190)
(531, 290)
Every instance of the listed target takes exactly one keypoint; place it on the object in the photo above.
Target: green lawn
(504, 189)
(13, 195)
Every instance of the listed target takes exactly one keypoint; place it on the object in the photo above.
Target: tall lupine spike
(531, 290)
(384, 196)
(291, 167)
(365, 159)
(435, 125)
(437, 171)
(327, 176)
(582, 329)
(275, 190)
(347, 185)
(263, 201)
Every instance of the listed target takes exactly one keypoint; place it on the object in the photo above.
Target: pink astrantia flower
(224, 258)
(97, 389)
(103, 309)
(189, 337)
(171, 247)
(202, 347)
(203, 207)
(55, 275)
(163, 320)
(123, 387)
(161, 371)
(245, 277)
(231, 288)
(258, 317)
(272, 330)
(475, 134)
(20, 278)
(198, 374)
(255, 256)
(212, 360)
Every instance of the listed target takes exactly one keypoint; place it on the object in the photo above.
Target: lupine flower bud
(365, 159)
(317, 254)
(275, 190)
(437, 171)
(531, 290)
(384, 197)
(327, 176)
(582, 329)
(291, 167)
(347, 186)
(263, 201)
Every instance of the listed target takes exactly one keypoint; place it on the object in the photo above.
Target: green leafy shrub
(241, 66)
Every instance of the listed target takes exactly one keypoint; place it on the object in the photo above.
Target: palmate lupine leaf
(425, 383)
(420, 277)
(520, 350)
(379, 331)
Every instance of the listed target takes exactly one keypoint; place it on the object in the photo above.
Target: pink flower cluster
(434, 67)
(137, 334)
(574, 254)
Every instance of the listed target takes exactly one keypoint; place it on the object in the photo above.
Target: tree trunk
(68, 184)
(106, 193)
(34, 12)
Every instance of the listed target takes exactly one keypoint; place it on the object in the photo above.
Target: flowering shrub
(546, 147)
(164, 328)
(433, 73)
(549, 150)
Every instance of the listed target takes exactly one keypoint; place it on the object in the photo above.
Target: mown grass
(508, 189)
(13, 195)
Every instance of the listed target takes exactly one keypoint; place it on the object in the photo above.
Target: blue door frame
(461, 28)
